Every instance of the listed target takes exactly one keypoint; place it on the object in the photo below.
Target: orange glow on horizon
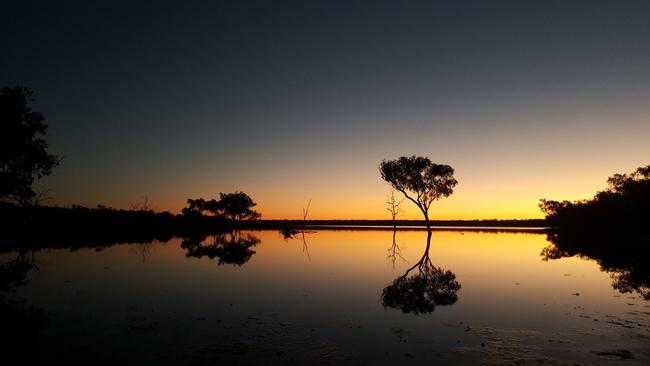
(483, 204)
(472, 199)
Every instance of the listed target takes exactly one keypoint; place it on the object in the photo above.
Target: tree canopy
(419, 179)
(624, 203)
(234, 206)
(23, 150)
(238, 206)
(199, 206)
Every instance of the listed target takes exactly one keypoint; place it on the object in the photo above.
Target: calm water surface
(259, 298)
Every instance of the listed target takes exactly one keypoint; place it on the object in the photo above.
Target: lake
(331, 297)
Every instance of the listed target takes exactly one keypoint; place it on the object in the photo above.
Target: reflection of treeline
(27, 227)
(81, 226)
(624, 204)
(77, 226)
(611, 228)
(21, 321)
(623, 254)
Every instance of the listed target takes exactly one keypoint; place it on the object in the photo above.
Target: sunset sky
(290, 101)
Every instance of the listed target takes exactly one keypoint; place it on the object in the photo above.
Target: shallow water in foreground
(259, 298)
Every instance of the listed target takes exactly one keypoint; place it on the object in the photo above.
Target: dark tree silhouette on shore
(200, 206)
(238, 206)
(393, 207)
(611, 228)
(623, 204)
(23, 150)
(234, 206)
(419, 180)
(420, 292)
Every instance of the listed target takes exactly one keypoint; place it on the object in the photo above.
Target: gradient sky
(297, 100)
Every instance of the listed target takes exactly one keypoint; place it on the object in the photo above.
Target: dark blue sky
(303, 98)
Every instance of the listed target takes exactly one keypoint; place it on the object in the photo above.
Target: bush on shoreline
(624, 204)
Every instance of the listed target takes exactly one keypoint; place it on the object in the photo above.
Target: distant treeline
(77, 226)
(480, 223)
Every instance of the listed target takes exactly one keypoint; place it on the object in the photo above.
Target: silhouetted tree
(420, 293)
(420, 180)
(197, 205)
(611, 228)
(237, 206)
(394, 207)
(234, 206)
(23, 150)
(200, 206)
(145, 205)
(624, 203)
(305, 212)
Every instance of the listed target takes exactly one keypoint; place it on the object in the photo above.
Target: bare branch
(305, 211)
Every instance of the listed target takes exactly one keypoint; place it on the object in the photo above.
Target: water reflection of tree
(394, 251)
(21, 322)
(230, 248)
(143, 249)
(422, 287)
(14, 272)
(623, 256)
(293, 233)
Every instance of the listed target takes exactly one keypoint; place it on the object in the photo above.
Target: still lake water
(319, 301)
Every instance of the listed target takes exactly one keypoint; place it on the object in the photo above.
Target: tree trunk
(426, 218)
